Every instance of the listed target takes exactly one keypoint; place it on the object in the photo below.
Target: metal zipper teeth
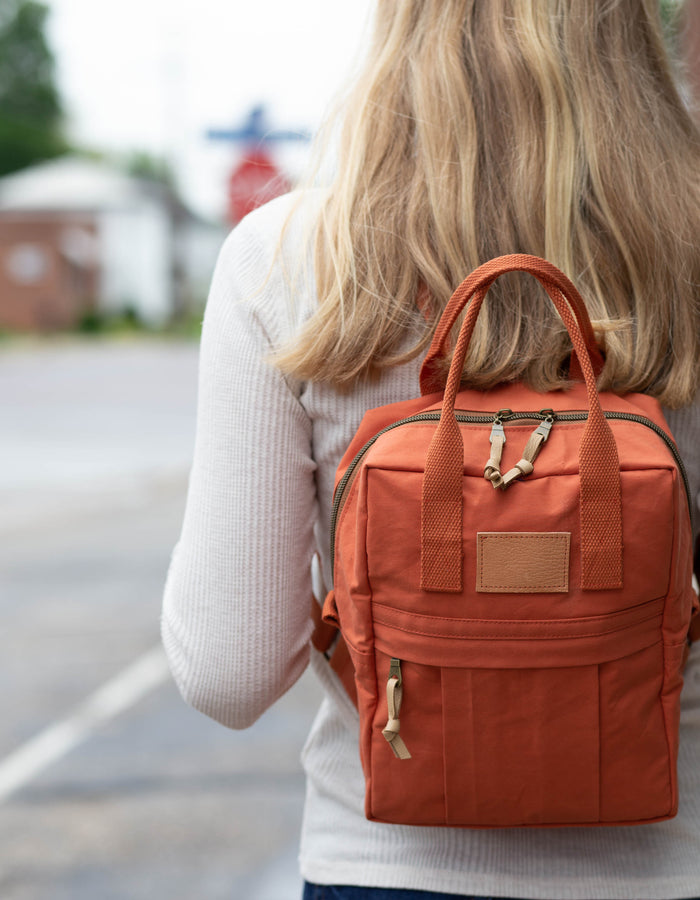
(487, 419)
(657, 429)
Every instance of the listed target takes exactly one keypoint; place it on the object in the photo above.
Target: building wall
(136, 261)
(48, 274)
(197, 248)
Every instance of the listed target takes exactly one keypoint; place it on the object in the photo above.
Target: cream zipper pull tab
(498, 434)
(394, 695)
(527, 463)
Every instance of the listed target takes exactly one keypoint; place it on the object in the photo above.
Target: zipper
(394, 696)
(395, 671)
(545, 415)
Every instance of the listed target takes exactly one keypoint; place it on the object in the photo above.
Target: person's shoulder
(294, 208)
(279, 228)
(265, 265)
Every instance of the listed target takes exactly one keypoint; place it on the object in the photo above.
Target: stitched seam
(558, 538)
(513, 637)
(406, 612)
(533, 587)
(664, 716)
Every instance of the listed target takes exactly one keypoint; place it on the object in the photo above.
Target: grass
(127, 323)
(97, 326)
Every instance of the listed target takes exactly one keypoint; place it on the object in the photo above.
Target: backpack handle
(482, 278)
(599, 467)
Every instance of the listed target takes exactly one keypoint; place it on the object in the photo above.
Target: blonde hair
(550, 127)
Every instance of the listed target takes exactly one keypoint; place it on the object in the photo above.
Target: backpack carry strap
(599, 467)
(431, 375)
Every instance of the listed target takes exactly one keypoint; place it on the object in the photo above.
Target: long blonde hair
(550, 127)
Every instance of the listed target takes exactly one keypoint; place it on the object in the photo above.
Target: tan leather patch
(522, 562)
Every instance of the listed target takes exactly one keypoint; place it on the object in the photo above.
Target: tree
(670, 17)
(142, 164)
(31, 113)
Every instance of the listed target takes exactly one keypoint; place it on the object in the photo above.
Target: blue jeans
(348, 892)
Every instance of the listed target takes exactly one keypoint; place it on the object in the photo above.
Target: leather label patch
(525, 562)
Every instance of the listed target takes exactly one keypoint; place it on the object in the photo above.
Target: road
(110, 786)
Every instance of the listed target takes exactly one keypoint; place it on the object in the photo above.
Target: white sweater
(235, 617)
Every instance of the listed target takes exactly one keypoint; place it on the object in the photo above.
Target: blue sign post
(256, 179)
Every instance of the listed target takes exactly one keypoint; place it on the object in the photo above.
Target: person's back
(549, 127)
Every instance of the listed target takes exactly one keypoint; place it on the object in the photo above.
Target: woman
(549, 127)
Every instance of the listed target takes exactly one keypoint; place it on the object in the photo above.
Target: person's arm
(235, 619)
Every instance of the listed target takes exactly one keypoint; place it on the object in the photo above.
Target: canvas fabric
(516, 653)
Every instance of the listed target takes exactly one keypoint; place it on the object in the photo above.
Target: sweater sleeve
(235, 620)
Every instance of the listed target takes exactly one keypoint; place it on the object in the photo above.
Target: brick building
(76, 236)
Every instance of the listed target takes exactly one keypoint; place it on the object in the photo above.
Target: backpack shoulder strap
(328, 640)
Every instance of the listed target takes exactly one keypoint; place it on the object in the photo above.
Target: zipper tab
(497, 438)
(527, 463)
(497, 433)
(394, 695)
(544, 428)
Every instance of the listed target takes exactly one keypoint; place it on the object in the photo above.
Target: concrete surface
(143, 798)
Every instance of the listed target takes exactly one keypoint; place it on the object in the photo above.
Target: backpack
(512, 580)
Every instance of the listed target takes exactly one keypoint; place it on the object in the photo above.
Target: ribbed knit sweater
(236, 622)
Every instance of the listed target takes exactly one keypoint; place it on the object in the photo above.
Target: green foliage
(90, 322)
(128, 323)
(187, 325)
(31, 114)
(670, 18)
(142, 164)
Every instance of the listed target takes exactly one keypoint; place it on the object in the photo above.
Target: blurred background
(133, 136)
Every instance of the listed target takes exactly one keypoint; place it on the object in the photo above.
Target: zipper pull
(394, 695)
(527, 463)
(545, 426)
(492, 469)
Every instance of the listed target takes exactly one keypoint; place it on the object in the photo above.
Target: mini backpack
(512, 581)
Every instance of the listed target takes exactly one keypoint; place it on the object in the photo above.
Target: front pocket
(637, 765)
(522, 723)
(413, 790)
(521, 746)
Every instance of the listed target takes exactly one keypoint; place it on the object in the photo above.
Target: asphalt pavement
(110, 786)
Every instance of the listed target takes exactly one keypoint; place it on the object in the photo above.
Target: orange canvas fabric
(549, 696)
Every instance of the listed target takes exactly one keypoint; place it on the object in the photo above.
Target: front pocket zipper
(394, 695)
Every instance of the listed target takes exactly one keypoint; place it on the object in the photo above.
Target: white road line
(115, 696)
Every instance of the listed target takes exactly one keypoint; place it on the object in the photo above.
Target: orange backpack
(517, 619)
